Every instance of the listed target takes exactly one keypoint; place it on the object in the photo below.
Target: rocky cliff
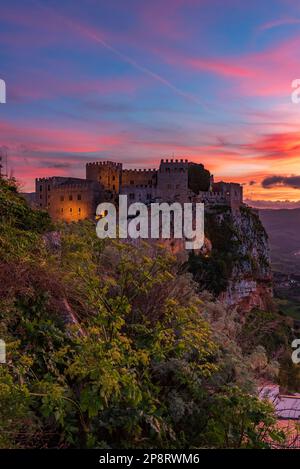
(237, 268)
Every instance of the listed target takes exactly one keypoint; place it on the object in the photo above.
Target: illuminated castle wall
(74, 199)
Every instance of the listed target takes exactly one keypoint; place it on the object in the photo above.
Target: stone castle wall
(73, 199)
(172, 180)
(68, 199)
(107, 173)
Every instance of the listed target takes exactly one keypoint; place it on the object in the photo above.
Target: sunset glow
(139, 81)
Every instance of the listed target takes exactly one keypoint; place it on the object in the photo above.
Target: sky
(136, 81)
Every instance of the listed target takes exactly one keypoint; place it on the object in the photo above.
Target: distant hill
(283, 228)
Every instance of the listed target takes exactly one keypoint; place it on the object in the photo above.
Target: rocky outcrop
(236, 267)
(250, 283)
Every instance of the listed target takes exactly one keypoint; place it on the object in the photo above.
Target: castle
(176, 180)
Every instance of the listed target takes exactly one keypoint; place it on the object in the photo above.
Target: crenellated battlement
(173, 161)
(75, 186)
(138, 171)
(59, 179)
(110, 164)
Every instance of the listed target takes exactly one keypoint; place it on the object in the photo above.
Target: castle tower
(172, 180)
(107, 173)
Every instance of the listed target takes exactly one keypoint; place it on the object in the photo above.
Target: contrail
(136, 65)
(126, 58)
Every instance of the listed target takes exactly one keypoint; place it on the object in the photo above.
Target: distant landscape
(283, 228)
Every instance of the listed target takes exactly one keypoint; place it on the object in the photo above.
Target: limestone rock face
(250, 282)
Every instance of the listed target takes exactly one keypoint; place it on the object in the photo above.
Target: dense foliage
(108, 345)
(198, 178)
(212, 272)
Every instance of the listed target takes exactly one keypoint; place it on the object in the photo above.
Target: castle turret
(107, 173)
(172, 179)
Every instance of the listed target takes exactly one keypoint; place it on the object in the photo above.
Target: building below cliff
(176, 180)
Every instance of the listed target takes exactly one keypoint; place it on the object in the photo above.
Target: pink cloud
(223, 68)
(267, 73)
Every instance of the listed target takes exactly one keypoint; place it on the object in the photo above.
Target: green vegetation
(274, 332)
(213, 271)
(288, 300)
(268, 329)
(108, 346)
(198, 178)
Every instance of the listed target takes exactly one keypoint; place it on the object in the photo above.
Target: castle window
(40, 205)
(48, 187)
(114, 187)
(79, 210)
(41, 196)
(62, 198)
(114, 178)
(167, 170)
(148, 196)
(79, 197)
(70, 197)
(131, 183)
(41, 188)
(131, 196)
(62, 210)
(71, 210)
